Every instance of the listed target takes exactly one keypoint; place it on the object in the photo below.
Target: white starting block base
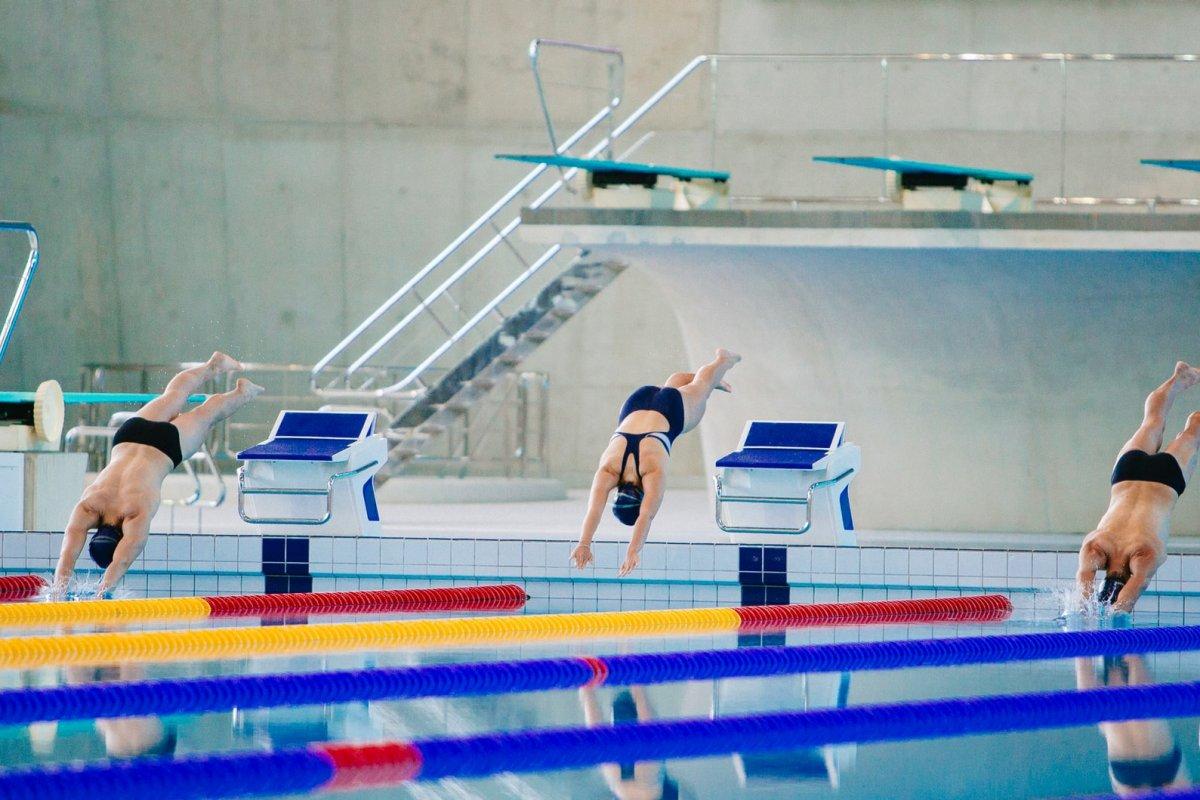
(789, 478)
(314, 471)
(39, 490)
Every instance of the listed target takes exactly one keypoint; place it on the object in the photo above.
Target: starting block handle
(723, 498)
(327, 492)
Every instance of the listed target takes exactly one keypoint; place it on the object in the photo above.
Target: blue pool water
(1051, 763)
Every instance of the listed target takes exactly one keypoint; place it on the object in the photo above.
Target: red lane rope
(20, 587)
(978, 608)
(500, 597)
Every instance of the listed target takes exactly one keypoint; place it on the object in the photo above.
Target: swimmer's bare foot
(247, 389)
(1186, 376)
(219, 362)
(724, 386)
(728, 356)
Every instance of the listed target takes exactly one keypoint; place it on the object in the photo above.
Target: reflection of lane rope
(20, 587)
(322, 767)
(201, 695)
(216, 643)
(105, 612)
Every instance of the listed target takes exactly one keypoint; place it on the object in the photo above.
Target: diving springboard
(933, 186)
(630, 184)
(94, 398)
(920, 169)
(618, 169)
(1188, 164)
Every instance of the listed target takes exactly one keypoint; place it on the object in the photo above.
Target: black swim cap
(104, 544)
(628, 504)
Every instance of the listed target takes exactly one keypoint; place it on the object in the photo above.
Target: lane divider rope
(216, 643)
(104, 612)
(221, 693)
(20, 587)
(330, 766)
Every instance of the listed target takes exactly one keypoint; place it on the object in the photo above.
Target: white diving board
(789, 477)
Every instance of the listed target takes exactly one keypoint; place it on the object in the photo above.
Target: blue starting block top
(1189, 164)
(296, 448)
(598, 165)
(311, 436)
(784, 445)
(927, 167)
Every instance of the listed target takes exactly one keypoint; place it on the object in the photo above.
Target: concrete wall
(251, 175)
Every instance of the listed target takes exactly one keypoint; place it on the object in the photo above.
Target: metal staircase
(479, 308)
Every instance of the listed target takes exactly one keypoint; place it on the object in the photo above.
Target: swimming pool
(1043, 763)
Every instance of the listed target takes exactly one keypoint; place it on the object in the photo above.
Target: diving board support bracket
(932, 186)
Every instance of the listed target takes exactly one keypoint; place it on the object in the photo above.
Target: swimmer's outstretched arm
(134, 531)
(74, 537)
(602, 485)
(654, 487)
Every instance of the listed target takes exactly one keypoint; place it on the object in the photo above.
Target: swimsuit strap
(633, 446)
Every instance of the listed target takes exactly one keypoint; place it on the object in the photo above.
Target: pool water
(1050, 763)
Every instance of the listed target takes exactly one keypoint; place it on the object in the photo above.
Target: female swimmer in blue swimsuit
(635, 461)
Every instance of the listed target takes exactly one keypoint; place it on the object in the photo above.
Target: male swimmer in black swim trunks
(125, 495)
(635, 461)
(1129, 543)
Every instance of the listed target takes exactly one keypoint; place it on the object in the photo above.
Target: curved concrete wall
(990, 390)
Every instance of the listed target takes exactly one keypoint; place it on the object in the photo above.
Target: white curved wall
(989, 390)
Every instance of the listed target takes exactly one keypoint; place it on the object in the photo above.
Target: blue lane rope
(295, 770)
(200, 695)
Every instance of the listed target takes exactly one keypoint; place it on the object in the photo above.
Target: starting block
(628, 184)
(315, 469)
(929, 186)
(789, 478)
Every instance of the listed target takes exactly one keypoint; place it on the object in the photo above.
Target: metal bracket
(327, 492)
(722, 498)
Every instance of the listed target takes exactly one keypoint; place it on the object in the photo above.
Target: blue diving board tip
(773, 458)
(94, 398)
(904, 165)
(1189, 164)
(604, 165)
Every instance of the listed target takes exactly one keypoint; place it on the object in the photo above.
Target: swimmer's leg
(697, 390)
(173, 400)
(1149, 436)
(1186, 445)
(195, 425)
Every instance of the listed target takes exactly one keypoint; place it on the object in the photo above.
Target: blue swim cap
(104, 544)
(628, 504)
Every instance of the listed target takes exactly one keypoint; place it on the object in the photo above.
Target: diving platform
(1077, 230)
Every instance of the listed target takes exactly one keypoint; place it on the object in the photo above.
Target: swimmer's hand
(631, 562)
(581, 556)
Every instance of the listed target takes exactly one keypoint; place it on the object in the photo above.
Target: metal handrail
(616, 80)
(445, 254)
(31, 265)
